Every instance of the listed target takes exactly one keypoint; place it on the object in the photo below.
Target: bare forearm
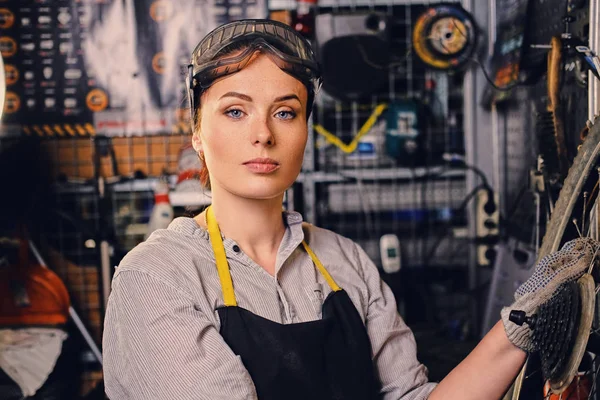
(486, 373)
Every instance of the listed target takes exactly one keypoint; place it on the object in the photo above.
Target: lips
(262, 165)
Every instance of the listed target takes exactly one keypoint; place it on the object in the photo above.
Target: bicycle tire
(578, 173)
(561, 216)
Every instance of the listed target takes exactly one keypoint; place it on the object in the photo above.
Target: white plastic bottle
(162, 212)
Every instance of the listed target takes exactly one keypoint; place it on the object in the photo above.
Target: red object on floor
(32, 296)
(579, 389)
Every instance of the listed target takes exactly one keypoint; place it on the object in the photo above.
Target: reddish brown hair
(204, 177)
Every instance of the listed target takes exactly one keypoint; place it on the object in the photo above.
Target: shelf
(189, 199)
(177, 199)
(403, 173)
(127, 185)
(381, 174)
(141, 185)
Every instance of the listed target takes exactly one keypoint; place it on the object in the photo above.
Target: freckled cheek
(225, 146)
(296, 153)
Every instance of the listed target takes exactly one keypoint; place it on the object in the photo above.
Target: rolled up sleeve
(158, 345)
(393, 344)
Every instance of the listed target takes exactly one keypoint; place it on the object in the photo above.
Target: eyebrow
(248, 98)
(287, 97)
(238, 95)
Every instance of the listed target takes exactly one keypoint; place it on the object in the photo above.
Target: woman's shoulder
(169, 254)
(345, 260)
(313, 233)
(327, 243)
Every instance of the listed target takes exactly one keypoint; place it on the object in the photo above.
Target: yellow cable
(349, 148)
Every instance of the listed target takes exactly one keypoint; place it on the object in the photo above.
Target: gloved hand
(565, 265)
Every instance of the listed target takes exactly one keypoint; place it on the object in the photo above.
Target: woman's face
(253, 130)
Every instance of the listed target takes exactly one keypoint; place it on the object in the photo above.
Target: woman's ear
(197, 142)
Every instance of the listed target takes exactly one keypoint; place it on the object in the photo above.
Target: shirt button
(236, 248)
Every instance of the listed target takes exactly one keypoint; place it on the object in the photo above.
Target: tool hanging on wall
(550, 129)
(406, 133)
(445, 37)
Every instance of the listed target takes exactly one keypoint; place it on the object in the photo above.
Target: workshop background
(424, 144)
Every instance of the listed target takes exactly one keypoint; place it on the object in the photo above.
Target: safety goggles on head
(212, 59)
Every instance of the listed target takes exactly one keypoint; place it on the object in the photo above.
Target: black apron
(323, 359)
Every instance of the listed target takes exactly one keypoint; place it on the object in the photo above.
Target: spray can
(162, 212)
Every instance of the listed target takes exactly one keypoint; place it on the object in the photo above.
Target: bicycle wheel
(568, 207)
(570, 194)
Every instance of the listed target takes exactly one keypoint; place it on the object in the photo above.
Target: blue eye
(234, 113)
(286, 114)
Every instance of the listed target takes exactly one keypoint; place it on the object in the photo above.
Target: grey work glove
(565, 265)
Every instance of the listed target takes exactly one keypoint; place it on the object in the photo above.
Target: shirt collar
(292, 219)
(293, 236)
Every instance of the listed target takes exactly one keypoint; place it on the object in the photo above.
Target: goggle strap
(190, 93)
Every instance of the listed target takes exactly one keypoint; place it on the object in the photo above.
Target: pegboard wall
(150, 156)
(518, 155)
(380, 193)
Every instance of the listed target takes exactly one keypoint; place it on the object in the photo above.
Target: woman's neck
(255, 225)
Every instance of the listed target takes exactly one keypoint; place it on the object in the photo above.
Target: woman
(244, 301)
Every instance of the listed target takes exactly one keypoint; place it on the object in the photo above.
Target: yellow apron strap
(321, 268)
(221, 258)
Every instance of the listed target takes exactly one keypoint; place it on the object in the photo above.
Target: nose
(263, 134)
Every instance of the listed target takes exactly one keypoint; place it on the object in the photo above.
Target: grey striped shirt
(161, 331)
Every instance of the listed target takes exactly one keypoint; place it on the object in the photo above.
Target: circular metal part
(445, 37)
(587, 297)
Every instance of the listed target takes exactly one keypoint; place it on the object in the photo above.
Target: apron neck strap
(321, 268)
(223, 266)
(221, 259)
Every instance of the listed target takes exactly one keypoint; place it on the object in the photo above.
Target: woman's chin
(256, 187)
(263, 190)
